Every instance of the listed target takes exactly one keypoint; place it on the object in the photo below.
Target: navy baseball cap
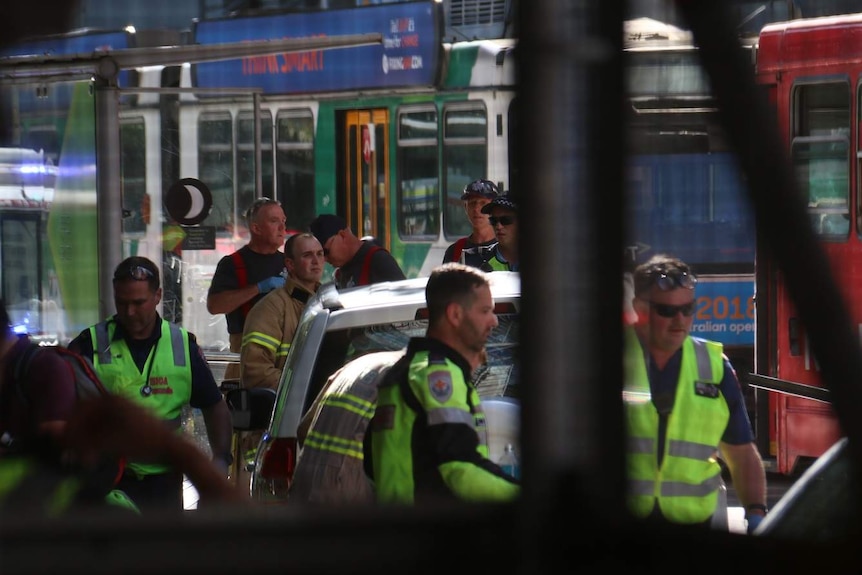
(325, 226)
(501, 201)
(480, 189)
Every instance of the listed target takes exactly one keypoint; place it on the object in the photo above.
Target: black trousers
(160, 493)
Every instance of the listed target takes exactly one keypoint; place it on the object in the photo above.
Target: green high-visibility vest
(167, 372)
(407, 406)
(685, 488)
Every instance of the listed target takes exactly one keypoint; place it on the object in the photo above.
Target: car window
(498, 377)
(384, 337)
(822, 504)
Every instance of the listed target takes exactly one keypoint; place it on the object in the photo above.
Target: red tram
(812, 69)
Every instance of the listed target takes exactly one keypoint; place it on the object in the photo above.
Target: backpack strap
(22, 368)
(78, 364)
(365, 274)
(242, 278)
(459, 247)
(82, 367)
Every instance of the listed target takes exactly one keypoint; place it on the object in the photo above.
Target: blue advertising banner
(57, 96)
(724, 310)
(408, 57)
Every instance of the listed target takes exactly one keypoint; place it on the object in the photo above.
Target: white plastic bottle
(509, 462)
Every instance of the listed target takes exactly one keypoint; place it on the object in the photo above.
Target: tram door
(367, 185)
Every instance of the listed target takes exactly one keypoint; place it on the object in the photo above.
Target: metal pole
(571, 89)
(258, 155)
(109, 196)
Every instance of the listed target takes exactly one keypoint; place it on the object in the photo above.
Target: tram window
(245, 167)
(295, 160)
(133, 173)
(822, 110)
(822, 170)
(820, 154)
(665, 73)
(215, 166)
(418, 198)
(465, 158)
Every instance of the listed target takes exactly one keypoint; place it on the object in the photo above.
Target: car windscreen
(496, 378)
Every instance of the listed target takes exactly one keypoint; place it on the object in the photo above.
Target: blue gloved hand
(753, 521)
(270, 284)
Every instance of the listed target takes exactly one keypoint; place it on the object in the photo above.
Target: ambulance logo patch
(440, 385)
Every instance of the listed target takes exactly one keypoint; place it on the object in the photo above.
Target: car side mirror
(250, 409)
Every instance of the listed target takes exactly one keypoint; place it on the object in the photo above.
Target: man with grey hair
(242, 278)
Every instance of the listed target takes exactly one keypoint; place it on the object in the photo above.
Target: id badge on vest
(705, 389)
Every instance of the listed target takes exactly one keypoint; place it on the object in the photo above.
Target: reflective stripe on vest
(103, 344)
(335, 429)
(686, 487)
(444, 415)
(400, 474)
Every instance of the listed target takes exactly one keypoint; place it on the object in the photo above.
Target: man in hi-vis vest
(684, 408)
(158, 365)
(428, 439)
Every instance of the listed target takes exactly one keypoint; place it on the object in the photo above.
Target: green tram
(384, 135)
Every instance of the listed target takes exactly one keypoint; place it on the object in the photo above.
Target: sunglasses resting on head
(139, 273)
(665, 280)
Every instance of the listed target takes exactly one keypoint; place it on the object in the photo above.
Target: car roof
(397, 300)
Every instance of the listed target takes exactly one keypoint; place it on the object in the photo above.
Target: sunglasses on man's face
(502, 220)
(668, 311)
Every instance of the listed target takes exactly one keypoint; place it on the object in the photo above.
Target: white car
(339, 326)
